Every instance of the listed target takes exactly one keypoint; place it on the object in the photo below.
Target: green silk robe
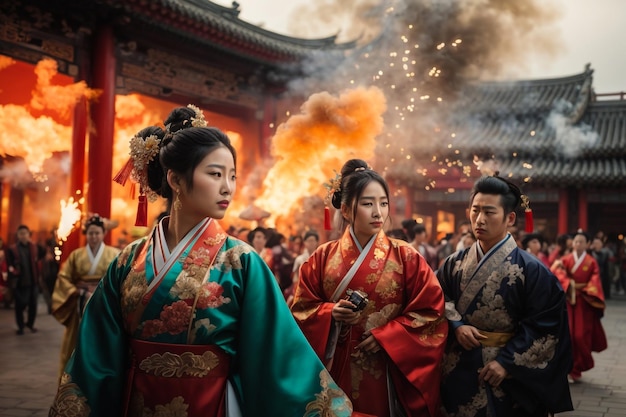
(215, 291)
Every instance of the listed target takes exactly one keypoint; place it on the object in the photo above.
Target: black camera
(358, 298)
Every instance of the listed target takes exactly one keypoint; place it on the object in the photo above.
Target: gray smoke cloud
(422, 53)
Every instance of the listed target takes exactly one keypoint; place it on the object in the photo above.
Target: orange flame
(309, 146)
(35, 138)
(5, 61)
(32, 138)
(59, 99)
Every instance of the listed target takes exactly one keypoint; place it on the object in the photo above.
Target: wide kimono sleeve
(278, 372)
(539, 356)
(415, 339)
(65, 294)
(310, 307)
(94, 378)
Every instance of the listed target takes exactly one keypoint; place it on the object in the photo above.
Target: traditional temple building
(555, 136)
(565, 146)
(176, 52)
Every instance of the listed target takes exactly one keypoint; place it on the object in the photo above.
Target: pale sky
(592, 31)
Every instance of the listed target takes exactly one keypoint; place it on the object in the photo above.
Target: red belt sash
(179, 377)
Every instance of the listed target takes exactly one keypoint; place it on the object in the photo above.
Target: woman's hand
(370, 344)
(343, 312)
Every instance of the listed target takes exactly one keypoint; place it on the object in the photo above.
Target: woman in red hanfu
(372, 308)
(579, 275)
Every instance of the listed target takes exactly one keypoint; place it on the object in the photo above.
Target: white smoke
(570, 139)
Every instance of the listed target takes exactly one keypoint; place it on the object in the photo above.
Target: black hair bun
(336, 200)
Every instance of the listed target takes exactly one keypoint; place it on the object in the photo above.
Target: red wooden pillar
(562, 217)
(103, 116)
(77, 173)
(583, 222)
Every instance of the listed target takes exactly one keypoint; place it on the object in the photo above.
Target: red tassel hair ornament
(122, 176)
(142, 211)
(333, 185)
(327, 225)
(528, 214)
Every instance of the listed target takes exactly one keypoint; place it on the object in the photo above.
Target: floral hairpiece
(525, 202)
(333, 185)
(142, 152)
(199, 120)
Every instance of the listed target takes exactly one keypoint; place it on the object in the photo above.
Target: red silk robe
(585, 307)
(405, 313)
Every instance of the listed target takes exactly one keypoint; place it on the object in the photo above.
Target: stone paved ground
(28, 368)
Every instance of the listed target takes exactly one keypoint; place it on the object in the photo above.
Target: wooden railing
(610, 96)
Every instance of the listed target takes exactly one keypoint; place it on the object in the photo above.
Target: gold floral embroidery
(431, 333)
(133, 289)
(371, 278)
(197, 263)
(212, 241)
(185, 287)
(231, 258)
(335, 261)
(170, 365)
(323, 405)
(124, 255)
(374, 264)
(69, 401)
(387, 287)
(378, 254)
(392, 266)
(363, 362)
(539, 354)
(176, 408)
(382, 317)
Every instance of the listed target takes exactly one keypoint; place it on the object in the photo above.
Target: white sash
(348, 277)
(577, 260)
(94, 259)
(162, 259)
(336, 327)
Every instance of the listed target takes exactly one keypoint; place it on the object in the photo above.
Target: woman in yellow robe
(77, 280)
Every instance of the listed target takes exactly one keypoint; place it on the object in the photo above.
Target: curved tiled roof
(578, 172)
(549, 130)
(529, 97)
(590, 152)
(220, 26)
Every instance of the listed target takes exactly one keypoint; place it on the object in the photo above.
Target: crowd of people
(192, 319)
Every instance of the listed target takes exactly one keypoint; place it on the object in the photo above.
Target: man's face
(489, 222)
(23, 236)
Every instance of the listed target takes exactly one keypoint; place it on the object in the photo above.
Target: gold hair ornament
(333, 185)
(525, 202)
(142, 152)
(199, 120)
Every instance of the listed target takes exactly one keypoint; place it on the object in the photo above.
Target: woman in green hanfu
(189, 321)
